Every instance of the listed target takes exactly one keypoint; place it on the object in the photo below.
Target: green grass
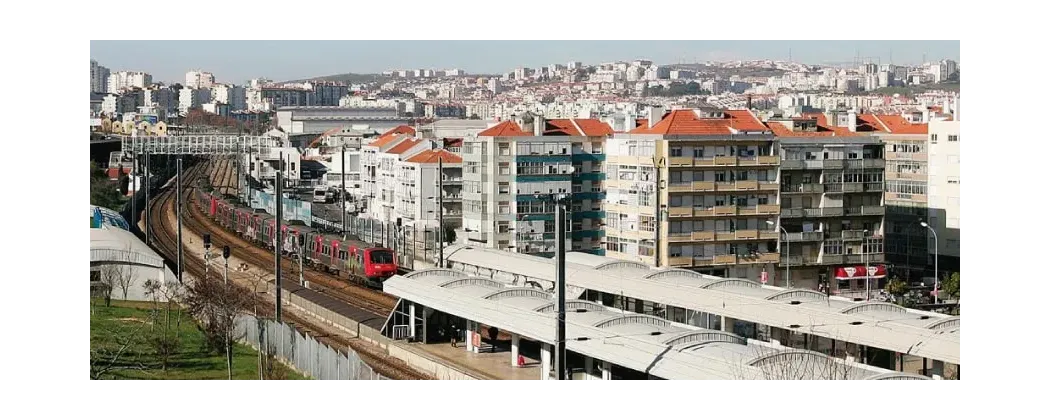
(111, 325)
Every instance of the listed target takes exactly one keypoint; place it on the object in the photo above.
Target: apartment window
(503, 226)
(504, 168)
(933, 139)
(577, 188)
(676, 177)
(648, 223)
(676, 151)
(293, 166)
(953, 138)
(698, 152)
(504, 207)
(596, 147)
(504, 188)
(504, 149)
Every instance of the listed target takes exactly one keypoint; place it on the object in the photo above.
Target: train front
(381, 265)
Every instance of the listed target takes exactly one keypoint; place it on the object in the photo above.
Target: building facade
(122, 80)
(694, 189)
(510, 172)
(906, 196)
(943, 204)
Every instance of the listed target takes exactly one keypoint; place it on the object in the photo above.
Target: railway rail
(162, 210)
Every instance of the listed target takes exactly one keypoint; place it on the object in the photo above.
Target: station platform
(482, 365)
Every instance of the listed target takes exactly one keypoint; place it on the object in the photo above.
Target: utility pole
(226, 281)
(178, 205)
(657, 165)
(147, 197)
(441, 212)
(342, 194)
(559, 216)
(277, 237)
(134, 184)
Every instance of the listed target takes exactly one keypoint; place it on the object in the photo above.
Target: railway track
(375, 302)
(162, 209)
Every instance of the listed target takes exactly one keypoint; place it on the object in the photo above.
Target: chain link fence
(307, 355)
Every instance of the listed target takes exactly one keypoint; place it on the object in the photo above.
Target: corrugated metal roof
(905, 331)
(639, 342)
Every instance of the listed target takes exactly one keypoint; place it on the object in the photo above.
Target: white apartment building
(109, 104)
(128, 79)
(417, 185)
(264, 168)
(234, 96)
(353, 172)
(943, 199)
(193, 98)
(99, 77)
(197, 79)
(505, 166)
(161, 99)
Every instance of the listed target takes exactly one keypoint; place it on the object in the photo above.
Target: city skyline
(238, 61)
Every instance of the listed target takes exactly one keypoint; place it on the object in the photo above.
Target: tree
(216, 305)
(106, 359)
(125, 276)
(950, 286)
(165, 340)
(108, 275)
(103, 192)
(897, 288)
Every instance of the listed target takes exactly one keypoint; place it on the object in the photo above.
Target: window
(504, 207)
(504, 188)
(596, 147)
(676, 151)
(951, 138)
(698, 152)
(933, 139)
(576, 188)
(504, 168)
(648, 223)
(503, 226)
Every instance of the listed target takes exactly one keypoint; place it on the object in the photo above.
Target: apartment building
(510, 169)
(943, 203)
(386, 179)
(713, 176)
(122, 80)
(418, 183)
(831, 201)
(369, 158)
(197, 79)
(906, 194)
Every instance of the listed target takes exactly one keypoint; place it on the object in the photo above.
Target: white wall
(944, 182)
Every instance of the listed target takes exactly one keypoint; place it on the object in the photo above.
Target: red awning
(858, 272)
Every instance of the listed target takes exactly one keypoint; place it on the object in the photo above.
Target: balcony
(703, 186)
(802, 188)
(679, 212)
(737, 186)
(747, 234)
(725, 211)
(702, 236)
(768, 185)
(768, 209)
(680, 161)
(769, 234)
(865, 211)
(852, 235)
(768, 160)
(679, 237)
(795, 260)
(679, 187)
(812, 212)
(724, 260)
(703, 212)
(680, 261)
(804, 236)
(870, 258)
(864, 163)
(452, 180)
(725, 161)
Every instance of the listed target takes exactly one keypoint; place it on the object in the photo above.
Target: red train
(359, 261)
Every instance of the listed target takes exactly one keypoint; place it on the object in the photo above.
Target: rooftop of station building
(875, 324)
(643, 343)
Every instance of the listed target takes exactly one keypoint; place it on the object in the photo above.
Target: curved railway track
(163, 206)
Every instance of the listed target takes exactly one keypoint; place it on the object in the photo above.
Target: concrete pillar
(469, 336)
(606, 371)
(545, 361)
(514, 341)
(727, 324)
(588, 366)
(411, 321)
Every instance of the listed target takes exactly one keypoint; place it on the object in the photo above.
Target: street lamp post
(560, 361)
(788, 241)
(936, 271)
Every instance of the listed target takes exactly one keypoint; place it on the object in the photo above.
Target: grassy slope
(189, 363)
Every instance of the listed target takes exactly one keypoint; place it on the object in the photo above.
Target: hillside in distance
(347, 78)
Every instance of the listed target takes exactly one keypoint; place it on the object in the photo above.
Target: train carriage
(244, 216)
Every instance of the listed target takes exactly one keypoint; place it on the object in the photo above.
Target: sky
(239, 61)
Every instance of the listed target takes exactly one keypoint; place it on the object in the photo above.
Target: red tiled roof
(896, 124)
(431, 156)
(387, 139)
(401, 129)
(559, 127)
(686, 122)
(452, 142)
(504, 129)
(403, 146)
(323, 135)
(592, 127)
(866, 125)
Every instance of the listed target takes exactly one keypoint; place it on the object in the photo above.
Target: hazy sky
(238, 61)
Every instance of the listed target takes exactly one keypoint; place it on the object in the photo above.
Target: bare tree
(165, 340)
(216, 305)
(125, 276)
(108, 275)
